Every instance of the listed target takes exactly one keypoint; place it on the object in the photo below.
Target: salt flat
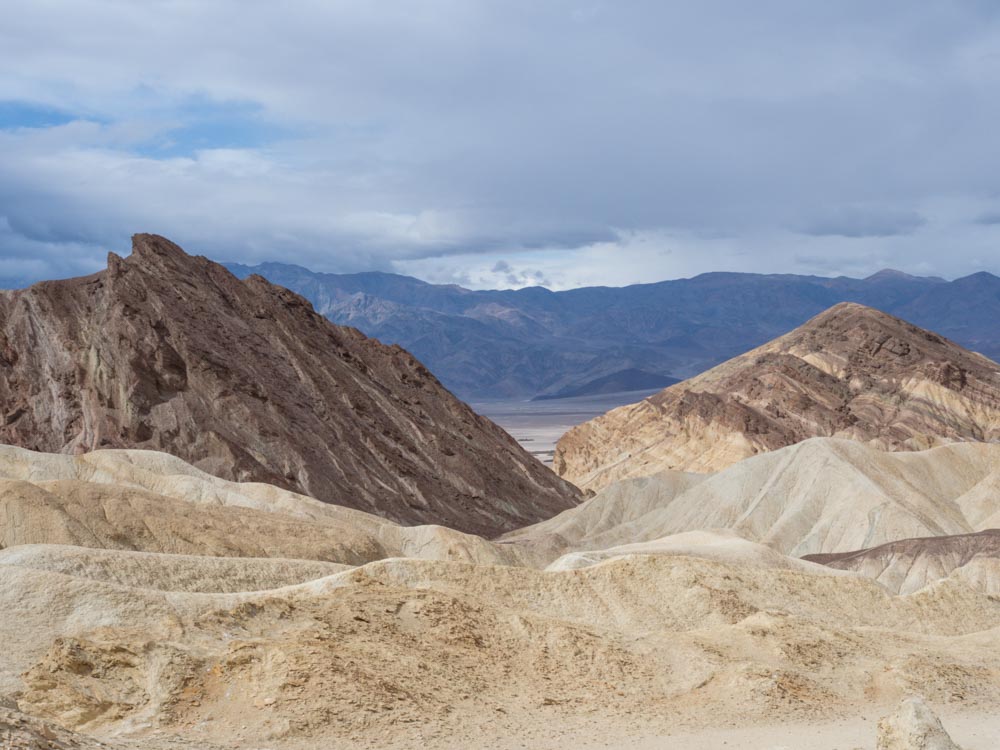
(538, 425)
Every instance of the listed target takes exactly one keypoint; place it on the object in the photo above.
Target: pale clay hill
(820, 495)
(244, 379)
(226, 643)
(145, 501)
(850, 372)
(824, 495)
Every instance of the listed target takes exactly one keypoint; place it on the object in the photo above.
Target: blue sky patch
(200, 123)
(20, 114)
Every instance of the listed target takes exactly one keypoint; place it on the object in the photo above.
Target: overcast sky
(504, 143)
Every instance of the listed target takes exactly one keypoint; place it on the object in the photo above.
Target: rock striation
(908, 565)
(245, 380)
(850, 372)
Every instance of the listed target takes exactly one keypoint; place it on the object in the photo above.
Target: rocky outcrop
(245, 380)
(913, 727)
(19, 731)
(849, 372)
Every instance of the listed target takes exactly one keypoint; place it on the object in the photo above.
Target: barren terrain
(167, 633)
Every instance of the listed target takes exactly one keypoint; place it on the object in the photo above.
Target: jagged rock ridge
(245, 380)
(850, 372)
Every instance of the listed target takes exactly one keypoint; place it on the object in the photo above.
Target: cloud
(444, 136)
(989, 218)
(25, 260)
(862, 221)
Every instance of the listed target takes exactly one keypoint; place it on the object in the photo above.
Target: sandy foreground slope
(438, 653)
(146, 604)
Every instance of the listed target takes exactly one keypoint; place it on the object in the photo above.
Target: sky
(507, 143)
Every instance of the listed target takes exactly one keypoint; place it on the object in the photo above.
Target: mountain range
(533, 342)
(227, 521)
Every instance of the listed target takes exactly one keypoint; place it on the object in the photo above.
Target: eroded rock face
(243, 379)
(850, 372)
(21, 732)
(913, 727)
(908, 565)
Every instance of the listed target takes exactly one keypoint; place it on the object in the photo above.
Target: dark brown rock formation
(243, 379)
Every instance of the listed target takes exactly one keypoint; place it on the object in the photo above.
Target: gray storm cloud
(585, 141)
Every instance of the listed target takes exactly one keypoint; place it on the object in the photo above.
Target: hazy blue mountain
(535, 342)
(629, 379)
(966, 310)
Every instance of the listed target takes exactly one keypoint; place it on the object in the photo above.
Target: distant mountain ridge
(530, 342)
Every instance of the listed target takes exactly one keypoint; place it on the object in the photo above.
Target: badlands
(146, 603)
(226, 522)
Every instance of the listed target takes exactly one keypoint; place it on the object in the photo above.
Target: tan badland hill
(406, 653)
(850, 372)
(145, 501)
(824, 495)
(244, 379)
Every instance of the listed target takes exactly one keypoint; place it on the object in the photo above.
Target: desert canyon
(227, 522)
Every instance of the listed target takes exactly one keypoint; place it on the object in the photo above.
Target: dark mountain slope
(242, 378)
(617, 382)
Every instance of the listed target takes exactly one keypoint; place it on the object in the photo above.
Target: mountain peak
(154, 248)
(853, 314)
(851, 371)
(892, 274)
(246, 381)
(979, 277)
(850, 308)
(849, 324)
(158, 255)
